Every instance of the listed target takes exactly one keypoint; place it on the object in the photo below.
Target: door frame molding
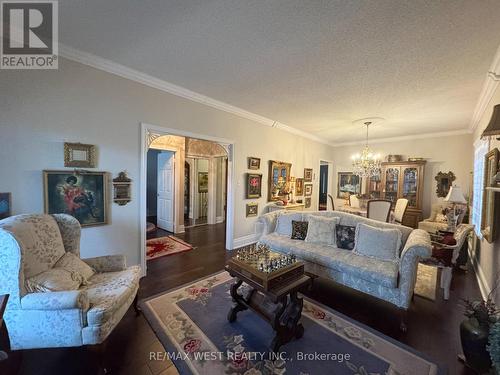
(149, 132)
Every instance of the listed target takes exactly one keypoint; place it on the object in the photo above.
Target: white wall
(453, 153)
(39, 110)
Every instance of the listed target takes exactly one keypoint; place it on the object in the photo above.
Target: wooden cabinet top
(402, 163)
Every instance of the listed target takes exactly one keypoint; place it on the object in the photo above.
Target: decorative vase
(474, 338)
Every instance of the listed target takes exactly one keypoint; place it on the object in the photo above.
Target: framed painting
(79, 155)
(252, 209)
(348, 183)
(253, 163)
(254, 185)
(307, 202)
(202, 182)
(308, 190)
(308, 174)
(299, 187)
(279, 180)
(5, 205)
(443, 183)
(489, 214)
(82, 195)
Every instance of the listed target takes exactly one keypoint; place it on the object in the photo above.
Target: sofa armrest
(70, 299)
(107, 263)
(268, 221)
(418, 246)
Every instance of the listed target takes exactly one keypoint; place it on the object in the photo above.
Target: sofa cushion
(53, 280)
(299, 230)
(284, 222)
(321, 230)
(345, 236)
(376, 271)
(379, 243)
(70, 262)
(40, 241)
(108, 291)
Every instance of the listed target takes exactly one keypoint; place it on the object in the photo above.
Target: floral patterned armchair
(31, 244)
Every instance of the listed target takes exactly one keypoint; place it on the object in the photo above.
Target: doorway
(325, 201)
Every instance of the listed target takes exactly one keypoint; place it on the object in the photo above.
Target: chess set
(267, 268)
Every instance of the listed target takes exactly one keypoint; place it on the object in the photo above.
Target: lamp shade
(493, 127)
(455, 195)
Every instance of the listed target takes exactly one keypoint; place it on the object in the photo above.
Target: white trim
(159, 84)
(481, 279)
(219, 219)
(405, 138)
(245, 240)
(228, 146)
(490, 85)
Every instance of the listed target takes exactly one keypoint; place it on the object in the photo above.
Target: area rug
(191, 322)
(426, 281)
(163, 246)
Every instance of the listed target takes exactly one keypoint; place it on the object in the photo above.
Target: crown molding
(489, 87)
(134, 75)
(405, 138)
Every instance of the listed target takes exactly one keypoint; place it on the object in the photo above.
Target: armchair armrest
(107, 263)
(70, 299)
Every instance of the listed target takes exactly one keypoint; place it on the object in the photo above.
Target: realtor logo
(29, 35)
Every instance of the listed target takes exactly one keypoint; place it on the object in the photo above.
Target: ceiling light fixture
(366, 164)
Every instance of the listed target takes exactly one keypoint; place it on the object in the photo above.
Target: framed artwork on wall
(252, 209)
(443, 183)
(307, 202)
(308, 190)
(79, 155)
(5, 205)
(489, 216)
(308, 174)
(202, 182)
(253, 163)
(299, 187)
(82, 195)
(279, 180)
(348, 182)
(254, 185)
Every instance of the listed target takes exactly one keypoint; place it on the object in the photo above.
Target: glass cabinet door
(410, 185)
(391, 184)
(374, 184)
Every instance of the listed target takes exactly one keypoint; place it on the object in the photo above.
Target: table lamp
(455, 195)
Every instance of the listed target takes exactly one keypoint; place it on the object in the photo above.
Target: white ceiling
(313, 65)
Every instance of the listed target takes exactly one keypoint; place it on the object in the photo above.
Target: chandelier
(366, 164)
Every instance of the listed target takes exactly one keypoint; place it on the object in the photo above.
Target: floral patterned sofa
(392, 281)
(31, 244)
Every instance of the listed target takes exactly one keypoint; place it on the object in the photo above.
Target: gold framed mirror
(444, 181)
(278, 180)
(489, 203)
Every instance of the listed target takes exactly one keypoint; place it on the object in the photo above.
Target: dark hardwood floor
(433, 326)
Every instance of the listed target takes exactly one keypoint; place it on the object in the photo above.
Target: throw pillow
(440, 218)
(53, 280)
(299, 230)
(321, 230)
(284, 223)
(70, 262)
(380, 243)
(345, 236)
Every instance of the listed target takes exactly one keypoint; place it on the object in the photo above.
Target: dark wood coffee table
(273, 293)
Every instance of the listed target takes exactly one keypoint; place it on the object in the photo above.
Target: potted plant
(475, 331)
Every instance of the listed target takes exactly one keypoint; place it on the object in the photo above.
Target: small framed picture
(299, 187)
(79, 155)
(5, 205)
(308, 174)
(307, 202)
(202, 182)
(253, 163)
(252, 209)
(254, 185)
(308, 190)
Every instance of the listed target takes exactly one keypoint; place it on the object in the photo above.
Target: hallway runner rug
(163, 246)
(191, 323)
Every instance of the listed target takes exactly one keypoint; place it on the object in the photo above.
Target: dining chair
(331, 201)
(379, 209)
(353, 201)
(400, 210)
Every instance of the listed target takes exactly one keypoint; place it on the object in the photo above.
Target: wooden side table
(3, 304)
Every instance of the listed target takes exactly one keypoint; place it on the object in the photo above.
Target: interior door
(165, 191)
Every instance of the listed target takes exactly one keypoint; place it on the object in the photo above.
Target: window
(481, 148)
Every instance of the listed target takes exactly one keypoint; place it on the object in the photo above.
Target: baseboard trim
(481, 279)
(245, 241)
(219, 219)
(179, 228)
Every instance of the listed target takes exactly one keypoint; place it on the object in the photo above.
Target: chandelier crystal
(366, 164)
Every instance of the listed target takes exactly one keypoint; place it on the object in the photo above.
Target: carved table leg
(289, 326)
(238, 301)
